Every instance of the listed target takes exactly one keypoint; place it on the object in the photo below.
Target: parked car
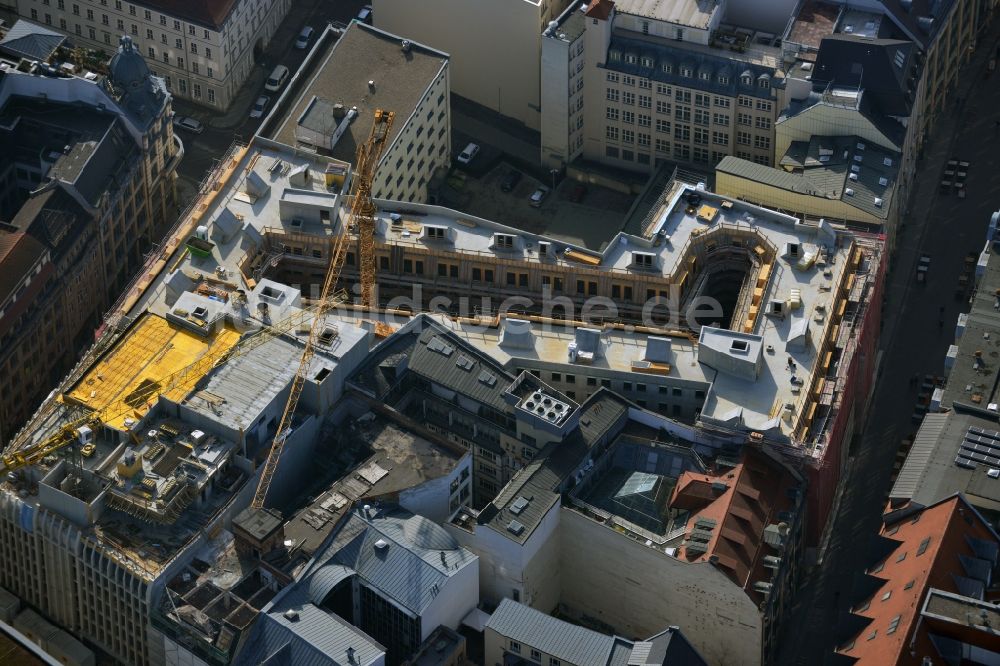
(365, 15)
(188, 124)
(305, 35)
(538, 196)
(277, 79)
(511, 180)
(578, 192)
(468, 154)
(260, 106)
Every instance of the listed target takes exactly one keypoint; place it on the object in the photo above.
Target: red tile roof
(600, 9)
(930, 542)
(742, 501)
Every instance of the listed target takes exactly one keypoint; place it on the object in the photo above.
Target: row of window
(763, 81)
(196, 89)
(146, 14)
(681, 152)
(683, 133)
(663, 106)
(627, 387)
(515, 647)
(674, 408)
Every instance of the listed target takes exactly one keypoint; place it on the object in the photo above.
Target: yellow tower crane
(362, 214)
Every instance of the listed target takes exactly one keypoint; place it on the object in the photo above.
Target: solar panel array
(980, 447)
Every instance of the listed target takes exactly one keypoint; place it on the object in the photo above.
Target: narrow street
(915, 337)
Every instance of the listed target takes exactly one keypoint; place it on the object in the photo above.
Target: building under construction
(141, 458)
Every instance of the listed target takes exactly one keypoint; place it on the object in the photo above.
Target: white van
(277, 79)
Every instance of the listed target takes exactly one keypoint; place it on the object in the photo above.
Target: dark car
(578, 192)
(511, 180)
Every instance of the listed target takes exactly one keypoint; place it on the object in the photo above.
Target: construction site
(131, 475)
(265, 317)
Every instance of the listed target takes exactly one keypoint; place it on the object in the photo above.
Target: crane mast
(362, 214)
(363, 208)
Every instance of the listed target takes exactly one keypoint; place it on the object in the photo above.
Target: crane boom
(362, 213)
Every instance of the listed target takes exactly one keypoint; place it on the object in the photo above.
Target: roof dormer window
(644, 260)
(503, 241)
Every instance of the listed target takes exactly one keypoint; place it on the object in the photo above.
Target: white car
(365, 15)
(302, 40)
(468, 154)
(188, 124)
(538, 196)
(260, 106)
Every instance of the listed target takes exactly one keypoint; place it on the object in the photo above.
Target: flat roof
(859, 174)
(945, 458)
(968, 381)
(385, 459)
(816, 19)
(360, 55)
(571, 23)
(758, 403)
(690, 13)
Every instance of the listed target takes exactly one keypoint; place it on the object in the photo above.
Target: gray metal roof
(241, 389)
(968, 383)
(906, 15)
(567, 642)
(238, 391)
(404, 556)
(315, 637)
(326, 578)
(886, 68)
(621, 652)
(830, 178)
(930, 472)
(892, 130)
(664, 51)
(31, 41)
(601, 416)
(437, 354)
(92, 150)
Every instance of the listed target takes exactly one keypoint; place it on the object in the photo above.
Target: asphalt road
(221, 129)
(915, 338)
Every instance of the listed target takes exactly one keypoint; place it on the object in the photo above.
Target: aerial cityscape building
(88, 186)
(203, 52)
(596, 355)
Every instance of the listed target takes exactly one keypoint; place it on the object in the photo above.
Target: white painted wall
(432, 499)
(494, 46)
(505, 565)
(457, 597)
(640, 590)
(400, 180)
